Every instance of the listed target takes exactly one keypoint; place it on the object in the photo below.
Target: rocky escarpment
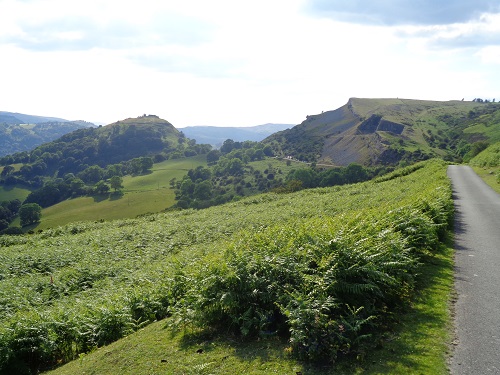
(376, 123)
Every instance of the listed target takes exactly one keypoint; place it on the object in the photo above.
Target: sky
(240, 62)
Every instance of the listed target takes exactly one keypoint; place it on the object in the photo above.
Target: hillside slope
(104, 145)
(17, 136)
(22, 118)
(386, 131)
(87, 284)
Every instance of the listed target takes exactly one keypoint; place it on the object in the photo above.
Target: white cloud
(226, 63)
(403, 12)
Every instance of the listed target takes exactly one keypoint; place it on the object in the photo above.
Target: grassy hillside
(487, 165)
(386, 131)
(17, 137)
(141, 194)
(233, 274)
(8, 193)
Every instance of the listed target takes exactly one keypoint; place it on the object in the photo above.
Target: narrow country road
(477, 274)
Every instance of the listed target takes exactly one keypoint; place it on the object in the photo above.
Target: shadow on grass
(100, 197)
(30, 228)
(116, 195)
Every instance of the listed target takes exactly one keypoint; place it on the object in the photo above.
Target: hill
(21, 118)
(86, 161)
(215, 136)
(387, 131)
(102, 146)
(20, 132)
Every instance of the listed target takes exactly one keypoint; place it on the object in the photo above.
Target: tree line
(230, 176)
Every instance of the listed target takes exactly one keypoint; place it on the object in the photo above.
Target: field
(141, 194)
(148, 193)
(249, 277)
(8, 193)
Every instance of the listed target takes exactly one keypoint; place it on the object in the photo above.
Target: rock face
(370, 125)
(389, 126)
(377, 123)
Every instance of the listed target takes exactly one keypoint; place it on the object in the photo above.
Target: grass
(155, 350)
(67, 290)
(487, 165)
(418, 345)
(148, 193)
(277, 164)
(8, 193)
(489, 176)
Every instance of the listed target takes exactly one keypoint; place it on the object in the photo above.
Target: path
(477, 274)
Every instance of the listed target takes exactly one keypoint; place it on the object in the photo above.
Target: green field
(148, 193)
(351, 254)
(141, 194)
(8, 193)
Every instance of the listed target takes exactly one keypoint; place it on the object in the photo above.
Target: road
(477, 274)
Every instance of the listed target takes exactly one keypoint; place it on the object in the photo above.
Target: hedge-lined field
(328, 268)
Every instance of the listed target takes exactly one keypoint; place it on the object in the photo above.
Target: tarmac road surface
(477, 274)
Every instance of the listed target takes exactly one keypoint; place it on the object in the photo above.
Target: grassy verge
(489, 176)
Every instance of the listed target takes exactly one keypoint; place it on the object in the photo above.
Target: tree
(203, 190)
(355, 173)
(268, 150)
(77, 186)
(101, 187)
(30, 213)
(92, 174)
(306, 175)
(4, 224)
(116, 183)
(227, 146)
(8, 169)
(146, 164)
(213, 156)
(235, 166)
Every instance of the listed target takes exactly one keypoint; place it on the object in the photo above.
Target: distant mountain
(102, 146)
(387, 131)
(215, 136)
(21, 118)
(20, 132)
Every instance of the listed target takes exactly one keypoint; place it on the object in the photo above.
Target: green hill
(21, 118)
(17, 137)
(104, 145)
(386, 131)
(113, 143)
(84, 161)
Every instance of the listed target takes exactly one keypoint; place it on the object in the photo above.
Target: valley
(324, 247)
